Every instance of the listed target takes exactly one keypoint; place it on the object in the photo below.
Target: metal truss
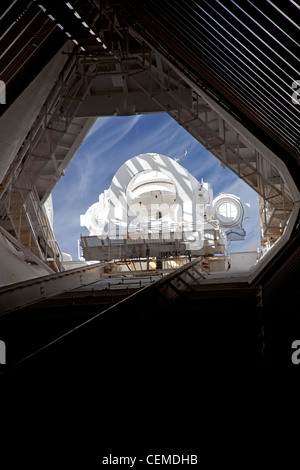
(174, 284)
(28, 292)
(41, 160)
(93, 278)
(128, 77)
(136, 80)
(191, 111)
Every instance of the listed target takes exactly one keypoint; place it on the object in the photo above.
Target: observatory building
(228, 73)
(156, 208)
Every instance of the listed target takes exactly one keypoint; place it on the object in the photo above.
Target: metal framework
(122, 70)
(77, 281)
(41, 160)
(158, 80)
(28, 292)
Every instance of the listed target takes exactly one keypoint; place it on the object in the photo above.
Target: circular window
(228, 211)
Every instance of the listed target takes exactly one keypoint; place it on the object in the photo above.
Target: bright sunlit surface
(228, 213)
(112, 141)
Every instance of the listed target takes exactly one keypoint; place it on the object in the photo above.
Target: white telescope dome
(153, 200)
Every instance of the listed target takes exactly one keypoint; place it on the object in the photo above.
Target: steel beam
(31, 291)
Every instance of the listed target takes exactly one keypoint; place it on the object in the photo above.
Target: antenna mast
(184, 155)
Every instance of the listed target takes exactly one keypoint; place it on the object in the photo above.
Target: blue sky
(112, 141)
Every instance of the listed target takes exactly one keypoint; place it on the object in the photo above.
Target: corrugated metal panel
(28, 41)
(244, 52)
